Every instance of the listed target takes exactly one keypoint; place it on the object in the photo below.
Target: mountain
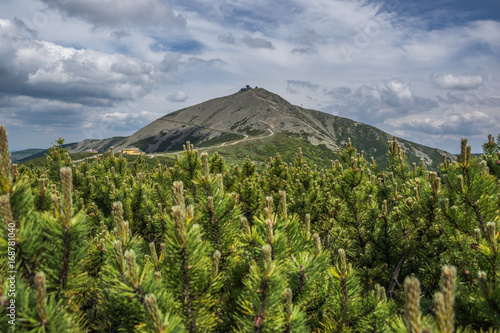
(253, 116)
(95, 144)
(74, 147)
(24, 154)
(260, 123)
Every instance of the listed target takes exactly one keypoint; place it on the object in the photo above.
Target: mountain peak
(256, 116)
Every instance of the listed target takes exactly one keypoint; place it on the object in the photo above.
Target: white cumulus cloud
(177, 97)
(129, 119)
(459, 82)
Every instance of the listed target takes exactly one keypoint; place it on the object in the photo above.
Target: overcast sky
(427, 71)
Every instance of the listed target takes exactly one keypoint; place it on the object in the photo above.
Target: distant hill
(22, 154)
(74, 147)
(99, 145)
(256, 122)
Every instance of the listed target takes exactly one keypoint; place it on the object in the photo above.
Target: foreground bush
(104, 246)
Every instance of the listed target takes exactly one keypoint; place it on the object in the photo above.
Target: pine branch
(395, 275)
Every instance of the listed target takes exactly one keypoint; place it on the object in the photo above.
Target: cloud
(49, 90)
(227, 39)
(211, 62)
(305, 50)
(4, 23)
(25, 28)
(36, 122)
(120, 33)
(306, 41)
(307, 37)
(41, 113)
(43, 69)
(460, 82)
(114, 56)
(446, 122)
(295, 86)
(30, 112)
(116, 13)
(170, 62)
(254, 43)
(470, 99)
(377, 102)
(177, 97)
(249, 15)
(438, 47)
(257, 43)
(128, 120)
(400, 89)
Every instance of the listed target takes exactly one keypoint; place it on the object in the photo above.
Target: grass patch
(261, 150)
(239, 108)
(42, 161)
(225, 137)
(168, 161)
(169, 143)
(144, 143)
(239, 123)
(191, 121)
(212, 115)
(252, 132)
(255, 132)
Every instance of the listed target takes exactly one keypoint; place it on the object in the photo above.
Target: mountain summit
(251, 116)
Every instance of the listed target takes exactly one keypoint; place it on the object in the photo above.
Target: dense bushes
(103, 246)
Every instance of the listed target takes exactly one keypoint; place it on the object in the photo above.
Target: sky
(426, 71)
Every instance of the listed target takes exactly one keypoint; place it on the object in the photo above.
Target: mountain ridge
(254, 114)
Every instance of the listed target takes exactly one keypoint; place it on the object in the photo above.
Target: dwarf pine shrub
(106, 245)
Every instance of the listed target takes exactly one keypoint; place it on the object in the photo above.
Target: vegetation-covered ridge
(110, 246)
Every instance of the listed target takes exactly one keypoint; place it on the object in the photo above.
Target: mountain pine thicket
(107, 246)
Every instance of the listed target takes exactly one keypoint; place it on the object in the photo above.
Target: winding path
(246, 138)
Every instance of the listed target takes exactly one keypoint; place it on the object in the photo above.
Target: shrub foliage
(103, 245)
